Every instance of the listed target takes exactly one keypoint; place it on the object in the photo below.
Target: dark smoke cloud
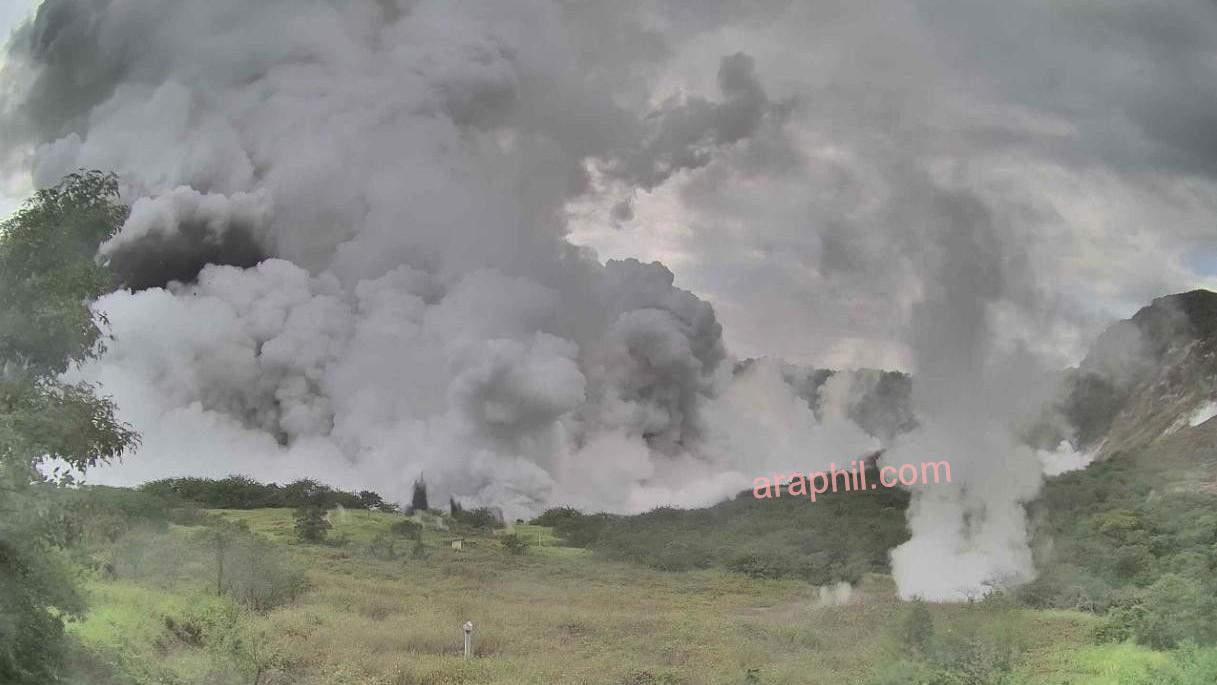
(966, 192)
(172, 237)
(685, 133)
(346, 255)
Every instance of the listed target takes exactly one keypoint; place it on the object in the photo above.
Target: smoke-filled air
(598, 254)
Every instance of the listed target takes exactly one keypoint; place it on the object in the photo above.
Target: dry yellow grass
(555, 615)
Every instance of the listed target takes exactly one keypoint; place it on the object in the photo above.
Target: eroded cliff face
(1146, 378)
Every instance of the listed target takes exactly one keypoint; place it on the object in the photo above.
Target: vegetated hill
(839, 537)
(1136, 395)
(1146, 378)
(1143, 379)
(1133, 538)
(234, 597)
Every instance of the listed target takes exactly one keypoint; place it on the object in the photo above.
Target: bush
(514, 543)
(583, 530)
(32, 642)
(246, 653)
(257, 576)
(918, 627)
(407, 529)
(1117, 625)
(147, 555)
(1173, 610)
(482, 518)
(248, 569)
(551, 517)
(1192, 666)
(952, 662)
(763, 565)
(419, 550)
(384, 546)
(311, 524)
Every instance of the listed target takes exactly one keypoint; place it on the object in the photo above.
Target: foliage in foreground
(48, 277)
(1144, 559)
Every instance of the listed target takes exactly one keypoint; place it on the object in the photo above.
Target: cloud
(685, 132)
(965, 192)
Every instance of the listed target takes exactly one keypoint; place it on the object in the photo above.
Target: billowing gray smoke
(866, 183)
(970, 536)
(406, 167)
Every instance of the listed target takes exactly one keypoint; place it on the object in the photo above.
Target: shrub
(406, 529)
(1192, 666)
(257, 576)
(1172, 610)
(551, 517)
(311, 524)
(147, 555)
(482, 518)
(762, 565)
(383, 546)
(514, 543)
(1117, 625)
(918, 626)
(1133, 562)
(583, 530)
(247, 653)
(248, 568)
(419, 550)
(971, 662)
(31, 637)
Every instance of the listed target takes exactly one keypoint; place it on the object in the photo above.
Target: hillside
(1146, 378)
(547, 614)
(747, 591)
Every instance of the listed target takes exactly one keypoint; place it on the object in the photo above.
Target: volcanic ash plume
(968, 536)
(346, 259)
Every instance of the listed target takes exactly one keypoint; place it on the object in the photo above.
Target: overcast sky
(373, 240)
(11, 12)
(1085, 130)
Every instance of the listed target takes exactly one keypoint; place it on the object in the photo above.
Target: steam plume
(406, 168)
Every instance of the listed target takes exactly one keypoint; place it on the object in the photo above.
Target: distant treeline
(839, 537)
(240, 492)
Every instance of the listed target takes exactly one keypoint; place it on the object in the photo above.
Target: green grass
(553, 615)
(1096, 665)
(278, 524)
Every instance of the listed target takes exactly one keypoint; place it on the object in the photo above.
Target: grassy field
(550, 615)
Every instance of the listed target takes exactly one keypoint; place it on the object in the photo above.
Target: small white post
(468, 638)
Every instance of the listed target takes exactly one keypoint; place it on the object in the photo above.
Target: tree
(1173, 610)
(482, 518)
(370, 500)
(311, 524)
(306, 492)
(48, 276)
(418, 502)
(219, 538)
